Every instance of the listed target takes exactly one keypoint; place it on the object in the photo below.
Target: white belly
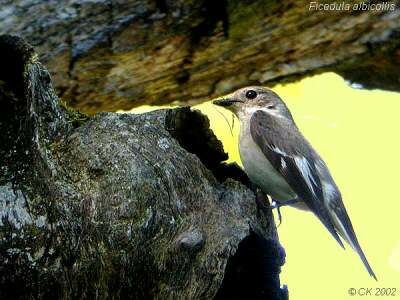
(260, 170)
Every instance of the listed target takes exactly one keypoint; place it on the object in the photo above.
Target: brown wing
(291, 155)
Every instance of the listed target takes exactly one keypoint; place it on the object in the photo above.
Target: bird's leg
(278, 204)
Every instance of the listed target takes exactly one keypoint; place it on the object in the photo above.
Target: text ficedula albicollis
(282, 163)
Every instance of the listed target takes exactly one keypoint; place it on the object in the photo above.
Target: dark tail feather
(345, 228)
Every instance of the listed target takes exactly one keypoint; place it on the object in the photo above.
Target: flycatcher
(282, 163)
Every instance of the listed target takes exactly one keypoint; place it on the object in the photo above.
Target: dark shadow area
(14, 147)
(253, 272)
(192, 130)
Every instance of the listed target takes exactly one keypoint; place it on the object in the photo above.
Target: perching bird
(282, 163)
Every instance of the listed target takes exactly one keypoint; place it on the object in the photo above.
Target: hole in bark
(183, 77)
(162, 6)
(212, 12)
(192, 130)
(253, 272)
(14, 53)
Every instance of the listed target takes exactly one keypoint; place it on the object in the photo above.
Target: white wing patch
(280, 152)
(283, 163)
(277, 150)
(329, 191)
(304, 167)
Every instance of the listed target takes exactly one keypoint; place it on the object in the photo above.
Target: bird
(280, 161)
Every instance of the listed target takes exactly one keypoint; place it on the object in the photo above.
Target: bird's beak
(224, 102)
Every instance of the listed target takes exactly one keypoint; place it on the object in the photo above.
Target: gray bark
(107, 55)
(121, 205)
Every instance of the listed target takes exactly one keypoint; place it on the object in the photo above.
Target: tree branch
(106, 57)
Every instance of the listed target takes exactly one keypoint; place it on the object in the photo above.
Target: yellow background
(357, 133)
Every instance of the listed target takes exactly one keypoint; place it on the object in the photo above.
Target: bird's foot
(278, 204)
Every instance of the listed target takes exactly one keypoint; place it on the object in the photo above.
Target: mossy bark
(121, 205)
(107, 55)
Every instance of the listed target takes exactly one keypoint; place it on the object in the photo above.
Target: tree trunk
(107, 55)
(121, 205)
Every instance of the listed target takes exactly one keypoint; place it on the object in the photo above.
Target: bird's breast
(259, 169)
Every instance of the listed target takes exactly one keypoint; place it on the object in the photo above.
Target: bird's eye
(251, 94)
(271, 106)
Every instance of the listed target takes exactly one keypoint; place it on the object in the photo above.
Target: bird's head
(244, 102)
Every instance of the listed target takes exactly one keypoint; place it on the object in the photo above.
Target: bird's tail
(343, 225)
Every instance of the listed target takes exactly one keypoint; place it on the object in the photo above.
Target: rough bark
(120, 205)
(107, 55)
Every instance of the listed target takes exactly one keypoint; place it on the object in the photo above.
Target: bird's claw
(278, 204)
